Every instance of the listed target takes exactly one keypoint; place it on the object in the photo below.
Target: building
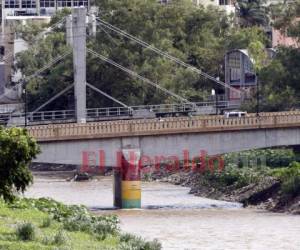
(226, 5)
(280, 38)
(19, 12)
(38, 7)
(240, 73)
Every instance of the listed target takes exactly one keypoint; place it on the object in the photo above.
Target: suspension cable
(134, 74)
(164, 54)
(39, 71)
(38, 37)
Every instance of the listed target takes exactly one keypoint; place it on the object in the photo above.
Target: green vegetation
(252, 13)
(198, 36)
(26, 231)
(17, 149)
(279, 79)
(272, 158)
(290, 178)
(47, 224)
(251, 167)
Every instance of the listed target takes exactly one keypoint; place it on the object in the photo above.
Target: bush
(101, 226)
(290, 178)
(60, 238)
(291, 186)
(233, 175)
(17, 149)
(272, 158)
(26, 231)
(131, 242)
(74, 218)
(46, 222)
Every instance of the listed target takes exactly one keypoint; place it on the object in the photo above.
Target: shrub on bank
(131, 242)
(290, 178)
(78, 219)
(26, 231)
(235, 176)
(46, 222)
(272, 158)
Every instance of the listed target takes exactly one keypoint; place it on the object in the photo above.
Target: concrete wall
(70, 152)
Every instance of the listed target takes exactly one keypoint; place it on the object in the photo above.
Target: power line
(164, 54)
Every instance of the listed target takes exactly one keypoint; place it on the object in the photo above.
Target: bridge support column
(127, 180)
(69, 33)
(79, 61)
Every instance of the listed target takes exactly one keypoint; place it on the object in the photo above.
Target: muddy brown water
(176, 218)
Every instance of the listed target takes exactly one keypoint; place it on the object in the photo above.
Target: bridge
(76, 24)
(66, 143)
(97, 135)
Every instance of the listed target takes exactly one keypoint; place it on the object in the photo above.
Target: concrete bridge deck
(67, 143)
(152, 127)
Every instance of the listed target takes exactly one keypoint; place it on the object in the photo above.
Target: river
(177, 219)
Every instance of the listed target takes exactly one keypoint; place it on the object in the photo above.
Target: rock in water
(82, 177)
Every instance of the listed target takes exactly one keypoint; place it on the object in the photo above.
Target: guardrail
(162, 126)
(96, 114)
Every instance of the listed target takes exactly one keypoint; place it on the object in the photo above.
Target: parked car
(235, 114)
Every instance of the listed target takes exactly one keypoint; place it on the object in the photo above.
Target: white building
(227, 5)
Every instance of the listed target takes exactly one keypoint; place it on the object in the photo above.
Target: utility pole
(25, 105)
(69, 30)
(257, 95)
(79, 61)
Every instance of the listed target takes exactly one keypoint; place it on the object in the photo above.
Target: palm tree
(252, 13)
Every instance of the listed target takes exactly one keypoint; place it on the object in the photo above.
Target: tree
(285, 16)
(279, 81)
(259, 57)
(197, 35)
(17, 149)
(252, 13)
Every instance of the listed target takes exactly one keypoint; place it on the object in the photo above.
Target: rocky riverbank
(265, 193)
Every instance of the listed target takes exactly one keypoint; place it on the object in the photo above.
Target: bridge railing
(51, 115)
(163, 126)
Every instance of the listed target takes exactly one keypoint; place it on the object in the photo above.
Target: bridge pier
(127, 179)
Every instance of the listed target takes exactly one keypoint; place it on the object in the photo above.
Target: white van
(235, 114)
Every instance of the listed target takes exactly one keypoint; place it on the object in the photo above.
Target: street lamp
(257, 95)
(25, 105)
(213, 93)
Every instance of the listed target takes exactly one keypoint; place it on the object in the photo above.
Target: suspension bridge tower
(79, 61)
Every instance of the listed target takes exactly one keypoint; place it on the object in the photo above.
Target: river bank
(47, 224)
(266, 178)
(178, 220)
(263, 195)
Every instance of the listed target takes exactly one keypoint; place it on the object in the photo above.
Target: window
(28, 4)
(11, 4)
(47, 3)
(234, 60)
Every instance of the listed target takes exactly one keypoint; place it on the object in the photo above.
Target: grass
(11, 218)
(24, 226)
(290, 179)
